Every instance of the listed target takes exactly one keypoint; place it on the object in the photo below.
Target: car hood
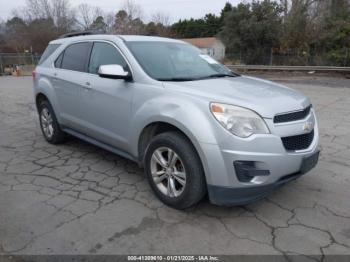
(264, 97)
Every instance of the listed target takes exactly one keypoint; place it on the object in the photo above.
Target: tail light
(34, 75)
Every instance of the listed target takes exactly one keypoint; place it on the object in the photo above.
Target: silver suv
(196, 127)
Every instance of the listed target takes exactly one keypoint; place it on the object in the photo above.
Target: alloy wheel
(47, 123)
(168, 172)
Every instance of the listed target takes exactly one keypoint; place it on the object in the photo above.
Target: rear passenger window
(75, 57)
(105, 54)
(48, 51)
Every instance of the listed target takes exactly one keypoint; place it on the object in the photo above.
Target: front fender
(191, 117)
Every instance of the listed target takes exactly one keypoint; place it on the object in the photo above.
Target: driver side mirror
(114, 72)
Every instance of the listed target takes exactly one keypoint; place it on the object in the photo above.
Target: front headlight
(239, 121)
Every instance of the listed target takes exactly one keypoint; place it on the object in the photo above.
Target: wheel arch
(44, 90)
(157, 127)
(39, 98)
(153, 129)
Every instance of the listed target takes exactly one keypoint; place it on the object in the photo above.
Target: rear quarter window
(48, 51)
(58, 62)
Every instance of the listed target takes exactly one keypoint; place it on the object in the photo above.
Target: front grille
(298, 142)
(288, 117)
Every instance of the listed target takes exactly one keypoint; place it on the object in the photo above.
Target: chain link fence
(340, 58)
(9, 62)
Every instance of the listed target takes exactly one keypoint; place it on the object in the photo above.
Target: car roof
(134, 38)
(126, 38)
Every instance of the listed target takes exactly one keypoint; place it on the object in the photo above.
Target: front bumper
(228, 196)
(274, 164)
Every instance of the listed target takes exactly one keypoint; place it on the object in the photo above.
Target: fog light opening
(246, 171)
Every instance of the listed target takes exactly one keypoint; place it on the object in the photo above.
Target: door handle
(54, 78)
(87, 86)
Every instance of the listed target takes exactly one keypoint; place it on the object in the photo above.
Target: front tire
(174, 170)
(49, 125)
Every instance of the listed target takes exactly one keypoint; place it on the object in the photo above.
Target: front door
(106, 103)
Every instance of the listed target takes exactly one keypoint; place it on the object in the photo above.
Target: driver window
(105, 54)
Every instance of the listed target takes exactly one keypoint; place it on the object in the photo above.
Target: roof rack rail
(81, 33)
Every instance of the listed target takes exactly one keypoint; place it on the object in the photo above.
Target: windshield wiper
(177, 79)
(183, 79)
(219, 75)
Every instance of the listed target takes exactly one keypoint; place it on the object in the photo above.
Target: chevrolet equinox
(195, 127)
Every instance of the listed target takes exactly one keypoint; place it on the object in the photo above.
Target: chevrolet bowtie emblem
(308, 126)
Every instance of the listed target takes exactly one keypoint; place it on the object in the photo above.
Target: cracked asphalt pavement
(78, 199)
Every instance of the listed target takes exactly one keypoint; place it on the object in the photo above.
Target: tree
(128, 20)
(17, 34)
(87, 14)
(151, 29)
(335, 37)
(227, 9)
(234, 30)
(192, 28)
(159, 25)
(121, 23)
(133, 10)
(40, 32)
(161, 18)
(2, 35)
(253, 30)
(109, 21)
(211, 25)
(136, 27)
(37, 23)
(208, 26)
(57, 10)
(296, 28)
(99, 24)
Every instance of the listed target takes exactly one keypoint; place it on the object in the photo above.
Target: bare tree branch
(161, 18)
(132, 9)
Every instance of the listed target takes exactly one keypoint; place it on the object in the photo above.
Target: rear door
(106, 105)
(69, 79)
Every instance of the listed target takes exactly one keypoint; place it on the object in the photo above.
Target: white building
(209, 45)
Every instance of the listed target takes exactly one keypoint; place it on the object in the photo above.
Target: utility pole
(346, 56)
(271, 55)
(31, 54)
(1, 66)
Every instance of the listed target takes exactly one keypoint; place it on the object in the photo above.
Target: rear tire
(174, 170)
(49, 125)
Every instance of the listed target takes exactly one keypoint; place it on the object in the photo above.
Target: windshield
(169, 61)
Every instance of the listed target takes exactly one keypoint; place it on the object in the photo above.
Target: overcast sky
(176, 9)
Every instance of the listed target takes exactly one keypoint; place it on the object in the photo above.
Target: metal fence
(333, 69)
(9, 61)
(341, 58)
